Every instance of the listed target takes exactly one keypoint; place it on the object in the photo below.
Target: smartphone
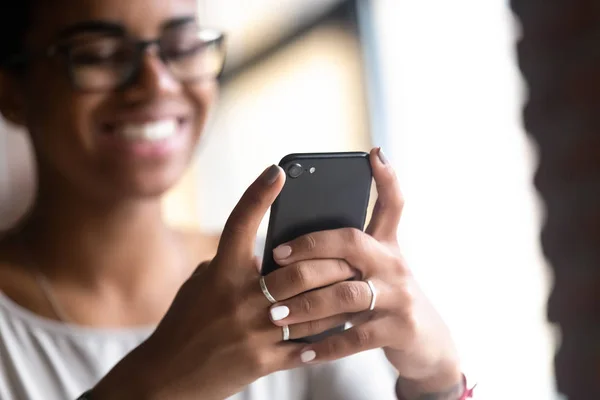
(323, 191)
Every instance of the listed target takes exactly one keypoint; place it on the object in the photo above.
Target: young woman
(98, 295)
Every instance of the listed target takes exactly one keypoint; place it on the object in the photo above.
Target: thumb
(239, 235)
(388, 208)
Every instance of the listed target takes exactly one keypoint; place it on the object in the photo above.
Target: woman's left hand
(404, 323)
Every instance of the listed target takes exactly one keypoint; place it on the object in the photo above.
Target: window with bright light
(453, 98)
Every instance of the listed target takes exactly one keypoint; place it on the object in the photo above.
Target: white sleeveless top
(45, 359)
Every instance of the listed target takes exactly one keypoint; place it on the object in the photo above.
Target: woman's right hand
(217, 337)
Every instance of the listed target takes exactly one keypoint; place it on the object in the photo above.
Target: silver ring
(286, 333)
(263, 287)
(373, 295)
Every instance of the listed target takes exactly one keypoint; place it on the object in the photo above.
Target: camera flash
(312, 170)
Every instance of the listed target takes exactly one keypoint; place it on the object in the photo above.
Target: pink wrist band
(468, 394)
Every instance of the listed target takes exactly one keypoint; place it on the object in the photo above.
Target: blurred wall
(17, 180)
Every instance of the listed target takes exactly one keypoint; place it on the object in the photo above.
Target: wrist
(447, 383)
(129, 379)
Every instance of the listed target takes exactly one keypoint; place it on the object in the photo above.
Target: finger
(239, 234)
(388, 208)
(360, 250)
(341, 298)
(300, 277)
(360, 338)
(310, 328)
(278, 357)
(201, 268)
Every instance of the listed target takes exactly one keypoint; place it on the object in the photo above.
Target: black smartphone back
(323, 191)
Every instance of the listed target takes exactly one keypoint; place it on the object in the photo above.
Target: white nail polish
(308, 356)
(280, 312)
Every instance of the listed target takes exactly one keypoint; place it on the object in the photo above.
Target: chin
(149, 186)
(149, 191)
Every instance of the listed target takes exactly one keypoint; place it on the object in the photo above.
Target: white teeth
(150, 132)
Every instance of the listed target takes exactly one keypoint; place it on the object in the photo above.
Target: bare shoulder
(16, 281)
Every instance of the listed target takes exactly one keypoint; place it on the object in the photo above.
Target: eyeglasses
(111, 61)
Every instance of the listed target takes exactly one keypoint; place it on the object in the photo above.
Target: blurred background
(436, 84)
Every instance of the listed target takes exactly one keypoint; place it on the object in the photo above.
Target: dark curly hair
(15, 21)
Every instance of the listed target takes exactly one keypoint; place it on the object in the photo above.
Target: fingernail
(382, 157)
(271, 174)
(282, 252)
(280, 312)
(308, 356)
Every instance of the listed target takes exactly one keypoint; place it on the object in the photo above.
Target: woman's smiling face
(132, 140)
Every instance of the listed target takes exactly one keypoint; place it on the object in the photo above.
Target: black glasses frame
(20, 61)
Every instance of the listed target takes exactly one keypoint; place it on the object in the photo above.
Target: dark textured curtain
(559, 55)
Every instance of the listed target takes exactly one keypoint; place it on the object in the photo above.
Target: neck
(75, 239)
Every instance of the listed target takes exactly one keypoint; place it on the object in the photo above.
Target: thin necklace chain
(49, 293)
(51, 298)
(45, 286)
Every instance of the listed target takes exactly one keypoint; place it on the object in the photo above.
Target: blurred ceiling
(254, 27)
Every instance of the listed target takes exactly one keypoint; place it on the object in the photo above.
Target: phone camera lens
(295, 170)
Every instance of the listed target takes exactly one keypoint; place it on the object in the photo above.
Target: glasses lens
(103, 63)
(109, 62)
(192, 55)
